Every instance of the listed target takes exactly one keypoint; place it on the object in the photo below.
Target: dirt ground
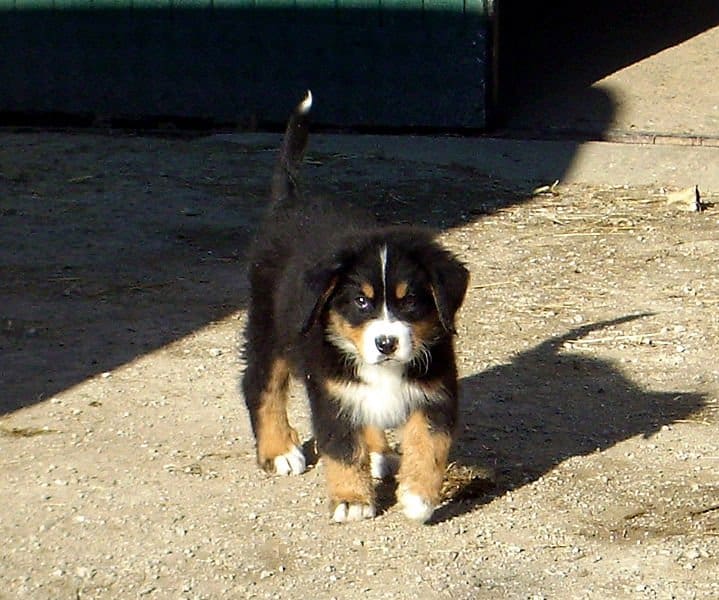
(586, 465)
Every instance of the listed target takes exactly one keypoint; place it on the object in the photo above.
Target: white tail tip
(306, 104)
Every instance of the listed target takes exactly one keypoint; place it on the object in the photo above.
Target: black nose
(386, 344)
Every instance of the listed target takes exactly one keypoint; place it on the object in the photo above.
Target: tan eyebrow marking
(367, 290)
(401, 290)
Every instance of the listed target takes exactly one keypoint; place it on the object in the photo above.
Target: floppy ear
(320, 283)
(448, 281)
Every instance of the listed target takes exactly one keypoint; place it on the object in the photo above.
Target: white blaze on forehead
(383, 266)
(383, 263)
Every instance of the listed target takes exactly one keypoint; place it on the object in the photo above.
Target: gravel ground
(586, 465)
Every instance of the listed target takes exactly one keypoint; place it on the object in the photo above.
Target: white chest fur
(382, 397)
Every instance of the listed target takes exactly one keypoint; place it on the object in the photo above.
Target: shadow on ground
(552, 53)
(522, 419)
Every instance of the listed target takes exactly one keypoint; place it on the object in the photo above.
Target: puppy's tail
(284, 179)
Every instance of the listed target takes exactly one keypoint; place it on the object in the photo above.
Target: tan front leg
(422, 469)
(350, 488)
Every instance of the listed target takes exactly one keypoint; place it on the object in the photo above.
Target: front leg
(344, 453)
(425, 449)
(350, 488)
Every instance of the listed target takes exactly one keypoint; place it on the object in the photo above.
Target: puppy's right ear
(320, 284)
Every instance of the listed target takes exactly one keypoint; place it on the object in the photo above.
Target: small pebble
(83, 572)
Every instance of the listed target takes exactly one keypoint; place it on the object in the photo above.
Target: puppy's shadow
(520, 420)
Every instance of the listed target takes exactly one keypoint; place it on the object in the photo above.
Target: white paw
(290, 463)
(415, 507)
(346, 512)
(383, 464)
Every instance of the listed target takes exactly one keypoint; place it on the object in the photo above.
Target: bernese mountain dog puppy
(363, 315)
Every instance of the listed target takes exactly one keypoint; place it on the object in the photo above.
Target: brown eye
(362, 302)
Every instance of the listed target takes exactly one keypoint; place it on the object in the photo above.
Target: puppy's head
(389, 300)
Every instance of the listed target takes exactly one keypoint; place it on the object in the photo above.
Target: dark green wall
(382, 63)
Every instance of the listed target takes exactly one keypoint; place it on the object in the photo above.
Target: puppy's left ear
(448, 281)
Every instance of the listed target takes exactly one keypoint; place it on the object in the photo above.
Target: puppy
(363, 315)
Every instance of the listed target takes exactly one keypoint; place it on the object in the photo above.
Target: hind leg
(265, 385)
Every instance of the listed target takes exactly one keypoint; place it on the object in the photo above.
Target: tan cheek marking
(401, 290)
(275, 436)
(424, 458)
(367, 290)
(338, 325)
